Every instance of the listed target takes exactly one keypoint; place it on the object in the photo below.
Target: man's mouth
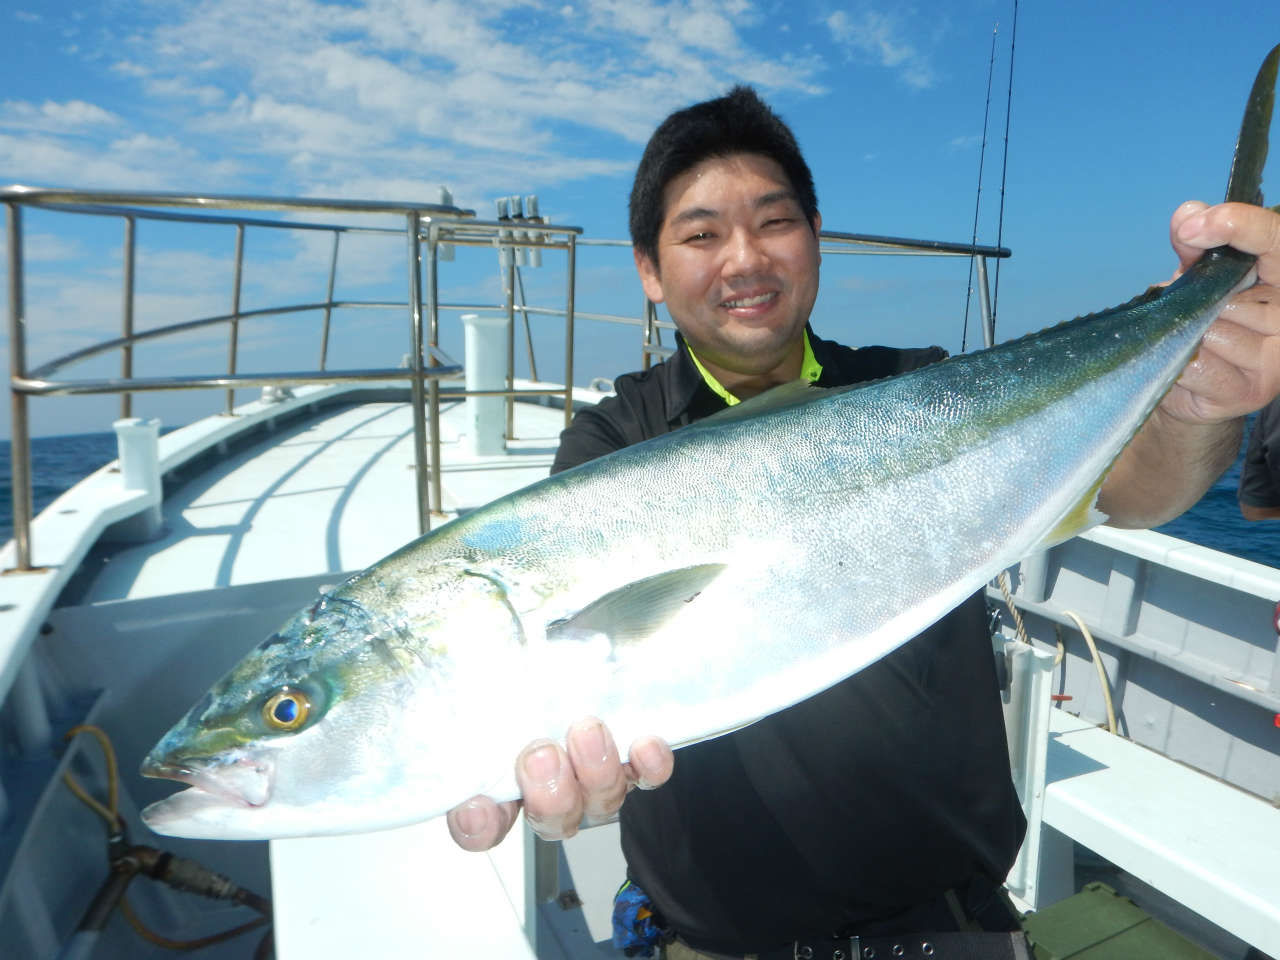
(753, 301)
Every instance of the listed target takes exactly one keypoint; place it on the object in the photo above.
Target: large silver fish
(690, 584)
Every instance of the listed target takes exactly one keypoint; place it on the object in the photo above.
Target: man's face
(737, 262)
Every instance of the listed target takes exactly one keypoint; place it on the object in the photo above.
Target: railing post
(235, 315)
(126, 352)
(984, 302)
(328, 302)
(433, 385)
(415, 367)
(509, 283)
(20, 439)
(652, 334)
(571, 252)
(528, 331)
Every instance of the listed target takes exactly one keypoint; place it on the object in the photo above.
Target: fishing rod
(977, 200)
(1004, 166)
(989, 334)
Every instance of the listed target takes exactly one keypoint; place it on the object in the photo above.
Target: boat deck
(329, 493)
(259, 510)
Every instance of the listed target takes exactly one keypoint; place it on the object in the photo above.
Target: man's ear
(649, 278)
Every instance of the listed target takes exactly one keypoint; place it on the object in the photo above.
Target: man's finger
(1243, 226)
(552, 798)
(480, 823)
(1187, 253)
(650, 763)
(598, 769)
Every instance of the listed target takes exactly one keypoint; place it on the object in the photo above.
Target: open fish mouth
(245, 781)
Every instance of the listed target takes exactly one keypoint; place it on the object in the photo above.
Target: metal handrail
(906, 245)
(59, 197)
(426, 225)
(840, 243)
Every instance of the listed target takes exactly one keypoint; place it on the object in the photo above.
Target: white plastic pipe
(486, 369)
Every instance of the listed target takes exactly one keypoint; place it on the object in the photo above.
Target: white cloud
(68, 116)
(129, 68)
(300, 96)
(46, 247)
(880, 36)
(140, 161)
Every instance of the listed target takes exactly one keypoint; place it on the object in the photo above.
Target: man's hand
(1194, 434)
(1237, 369)
(562, 790)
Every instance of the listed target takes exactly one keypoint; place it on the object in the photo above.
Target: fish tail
(1245, 183)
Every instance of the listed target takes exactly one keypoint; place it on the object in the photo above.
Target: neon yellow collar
(810, 369)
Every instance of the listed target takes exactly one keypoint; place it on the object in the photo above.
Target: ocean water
(58, 462)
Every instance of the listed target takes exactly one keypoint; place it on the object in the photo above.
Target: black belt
(930, 946)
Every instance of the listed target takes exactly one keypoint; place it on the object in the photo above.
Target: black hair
(738, 122)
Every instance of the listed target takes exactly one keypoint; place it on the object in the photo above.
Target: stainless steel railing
(428, 227)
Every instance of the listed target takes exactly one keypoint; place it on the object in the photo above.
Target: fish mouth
(243, 780)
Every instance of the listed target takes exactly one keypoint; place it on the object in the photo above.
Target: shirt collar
(810, 369)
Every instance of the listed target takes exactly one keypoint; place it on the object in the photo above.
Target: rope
(1007, 591)
(1097, 663)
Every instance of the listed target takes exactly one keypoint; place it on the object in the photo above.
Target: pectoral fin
(639, 609)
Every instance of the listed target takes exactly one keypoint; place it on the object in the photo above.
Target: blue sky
(1119, 112)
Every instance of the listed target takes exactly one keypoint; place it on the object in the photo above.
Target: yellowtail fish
(687, 585)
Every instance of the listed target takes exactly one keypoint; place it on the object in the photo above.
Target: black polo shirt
(1260, 474)
(843, 812)
(672, 394)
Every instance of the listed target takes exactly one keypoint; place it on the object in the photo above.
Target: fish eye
(286, 710)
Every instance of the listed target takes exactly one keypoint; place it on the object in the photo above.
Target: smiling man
(882, 807)
(739, 257)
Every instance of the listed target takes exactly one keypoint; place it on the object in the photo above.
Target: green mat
(1099, 924)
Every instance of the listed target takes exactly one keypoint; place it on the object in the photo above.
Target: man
(883, 805)
(1259, 491)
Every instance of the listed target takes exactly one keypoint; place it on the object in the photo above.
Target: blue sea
(58, 462)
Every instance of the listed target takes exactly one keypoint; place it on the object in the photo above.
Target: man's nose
(746, 254)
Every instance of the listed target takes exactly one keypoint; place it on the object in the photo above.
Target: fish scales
(687, 585)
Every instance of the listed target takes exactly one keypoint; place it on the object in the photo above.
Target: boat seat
(1209, 845)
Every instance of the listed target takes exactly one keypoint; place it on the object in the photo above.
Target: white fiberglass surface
(329, 494)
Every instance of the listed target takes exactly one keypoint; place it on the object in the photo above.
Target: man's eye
(700, 235)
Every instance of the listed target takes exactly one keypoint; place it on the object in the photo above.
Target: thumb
(1187, 253)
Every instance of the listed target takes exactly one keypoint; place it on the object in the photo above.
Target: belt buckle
(844, 948)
